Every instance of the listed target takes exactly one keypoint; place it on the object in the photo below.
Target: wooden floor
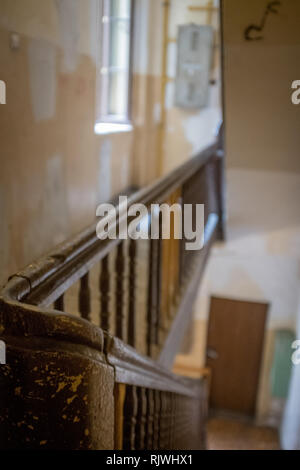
(234, 434)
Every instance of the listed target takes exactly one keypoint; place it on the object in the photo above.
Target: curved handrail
(59, 269)
(33, 329)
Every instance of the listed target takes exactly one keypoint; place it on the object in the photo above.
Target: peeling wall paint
(261, 258)
(124, 170)
(170, 93)
(68, 13)
(95, 11)
(194, 130)
(262, 123)
(52, 171)
(104, 175)
(42, 71)
(141, 21)
(31, 18)
(55, 197)
(157, 113)
(172, 60)
(154, 46)
(201, 129)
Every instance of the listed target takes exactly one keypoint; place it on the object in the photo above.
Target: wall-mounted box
(194, 59)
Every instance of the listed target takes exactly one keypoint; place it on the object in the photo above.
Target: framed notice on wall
(194, 59)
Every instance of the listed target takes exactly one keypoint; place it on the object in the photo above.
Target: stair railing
(92, 329)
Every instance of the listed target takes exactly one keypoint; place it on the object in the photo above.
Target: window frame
(103, 116)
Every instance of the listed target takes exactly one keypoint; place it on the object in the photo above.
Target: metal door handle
(211, 353)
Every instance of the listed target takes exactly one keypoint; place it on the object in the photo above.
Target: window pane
(119, 43)
(118, 93)
(120, 8)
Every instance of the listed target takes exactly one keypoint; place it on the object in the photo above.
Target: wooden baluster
(163, 430)
(104, 286)
(119, 396)
(119, 294)
(171, 262)
(165, 285)
(141, 419)
(172, 420)
(130, 414)
(183, 241)
(176, 412)
(132, 286)
(154, 295)
(156, 427)
(187, 422)
(169, 418)
(59, 304)
(157, 318)
(170, 266)
(85, 297)
(176, 259)
(160, 430)
(150, 419)
(180, 421)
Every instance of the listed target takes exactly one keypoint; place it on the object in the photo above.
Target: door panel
(234, 350)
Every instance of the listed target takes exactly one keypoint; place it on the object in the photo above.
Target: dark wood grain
(85, 297)
(119, 292)
(140, 436)
(59, 303)
(42, 283)
(130, 414)
(150, 419)
(104, 288)
(131, 293)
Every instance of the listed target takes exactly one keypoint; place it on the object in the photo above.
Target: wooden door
(234, 351)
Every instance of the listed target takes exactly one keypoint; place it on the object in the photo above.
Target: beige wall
(262, 123)
(187, 132)
(260, 260)
(54, 169)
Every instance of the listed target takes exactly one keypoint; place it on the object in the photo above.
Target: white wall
(260, 260)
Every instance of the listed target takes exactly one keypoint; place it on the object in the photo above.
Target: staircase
(92, 329)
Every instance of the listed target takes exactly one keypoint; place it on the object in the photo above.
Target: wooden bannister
(80, 323)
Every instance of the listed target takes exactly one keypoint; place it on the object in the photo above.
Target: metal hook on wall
(272, 7)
